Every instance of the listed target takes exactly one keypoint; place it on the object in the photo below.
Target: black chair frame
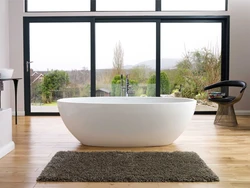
(225, 114)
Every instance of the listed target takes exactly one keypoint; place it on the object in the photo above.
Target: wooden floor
(225, 150)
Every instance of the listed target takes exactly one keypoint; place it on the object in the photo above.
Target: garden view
(191, 73)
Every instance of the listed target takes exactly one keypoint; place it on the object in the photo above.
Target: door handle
(27, 65)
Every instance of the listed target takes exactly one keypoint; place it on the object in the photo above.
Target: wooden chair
(225, 114)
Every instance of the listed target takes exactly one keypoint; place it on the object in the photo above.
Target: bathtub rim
(76, 100)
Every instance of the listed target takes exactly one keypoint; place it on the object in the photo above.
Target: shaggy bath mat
(127, 167)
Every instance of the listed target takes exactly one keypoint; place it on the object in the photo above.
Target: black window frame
(224, 20)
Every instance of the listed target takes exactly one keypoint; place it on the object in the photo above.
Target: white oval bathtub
(126, 121)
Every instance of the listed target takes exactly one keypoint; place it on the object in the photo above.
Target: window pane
(125, 5)
(190, 60)
(61, 63)
(125, 49)
(194, 5)
(58, 5)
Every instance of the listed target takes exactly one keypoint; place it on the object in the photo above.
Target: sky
(66, 46)
(104, 5)
(189, 4)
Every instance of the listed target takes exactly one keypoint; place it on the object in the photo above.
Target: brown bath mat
(69, 166)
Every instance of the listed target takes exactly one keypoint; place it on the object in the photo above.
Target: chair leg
(225, 116)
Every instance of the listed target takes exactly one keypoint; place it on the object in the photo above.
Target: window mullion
(157, 5)
(92, 5)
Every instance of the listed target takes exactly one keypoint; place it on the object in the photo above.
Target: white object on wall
(6, 73)
(6, 143)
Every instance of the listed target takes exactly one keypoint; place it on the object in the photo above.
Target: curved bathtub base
(126, 122)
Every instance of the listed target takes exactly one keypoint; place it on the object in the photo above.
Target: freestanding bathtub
(126, 121)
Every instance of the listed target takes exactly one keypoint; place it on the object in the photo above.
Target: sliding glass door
(58, 65)
(190, 60)
(123, 56)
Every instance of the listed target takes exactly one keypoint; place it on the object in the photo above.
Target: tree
(196, 70)
(151, 85)
(140, 73)
(36, 92)
(118, 59)
(164, 84)
(53, 81)
(116, 86)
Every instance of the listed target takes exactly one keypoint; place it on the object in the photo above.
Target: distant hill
(166, 63)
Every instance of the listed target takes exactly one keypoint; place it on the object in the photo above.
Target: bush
(164, 84)
(188, 92)
(117, 87)
(201, 96)
(53, 81)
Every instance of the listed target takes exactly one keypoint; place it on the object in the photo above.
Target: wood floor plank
(226, 150)
(17, 185)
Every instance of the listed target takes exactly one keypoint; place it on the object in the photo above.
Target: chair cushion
(224, 99)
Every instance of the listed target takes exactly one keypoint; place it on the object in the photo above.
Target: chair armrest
(216, 85)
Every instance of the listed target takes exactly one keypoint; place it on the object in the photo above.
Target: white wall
(239, 11)
(16, 49)
(240, 47)
(4, 48)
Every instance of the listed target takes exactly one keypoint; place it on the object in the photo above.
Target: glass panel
(125, 5)
(61, 63)
(125, 49)
(58, 5)
(202, 5)
(190, 60)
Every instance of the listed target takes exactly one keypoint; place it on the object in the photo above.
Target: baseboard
(237, 112)
(6, 149)
(19, 113)
(242, 112)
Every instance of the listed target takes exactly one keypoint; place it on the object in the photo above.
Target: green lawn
(45, 104)
(50, 104)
